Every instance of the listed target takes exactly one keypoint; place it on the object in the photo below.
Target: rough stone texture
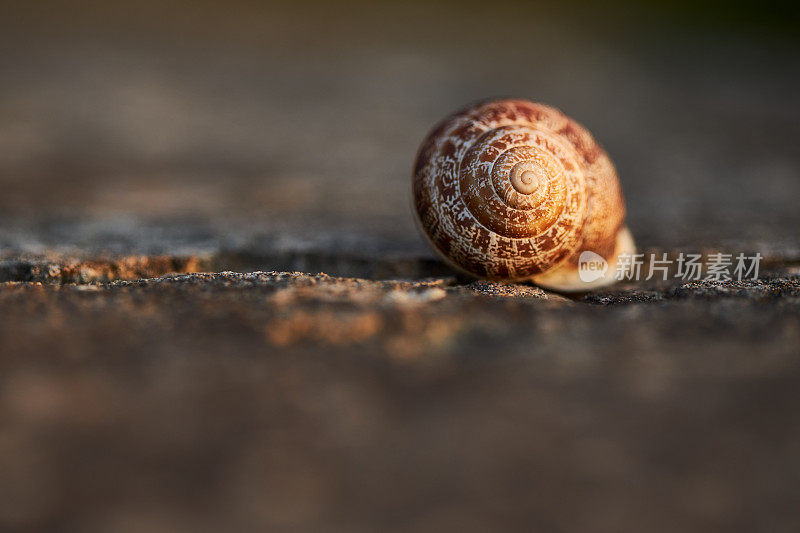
(273, 400)
(142, 145)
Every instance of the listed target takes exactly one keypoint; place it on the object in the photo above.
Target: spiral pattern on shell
(512, 189)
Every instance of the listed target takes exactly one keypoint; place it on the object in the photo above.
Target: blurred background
(250, 135)
(152, 127)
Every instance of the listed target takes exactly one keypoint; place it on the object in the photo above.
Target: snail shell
(515, 190)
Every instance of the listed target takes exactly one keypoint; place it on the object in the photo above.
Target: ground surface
(140, 148)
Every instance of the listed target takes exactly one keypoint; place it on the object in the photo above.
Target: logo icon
(591, 266)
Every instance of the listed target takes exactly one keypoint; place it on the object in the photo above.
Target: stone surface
(175, 179)
(277, 399)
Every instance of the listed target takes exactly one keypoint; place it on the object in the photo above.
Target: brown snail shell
(515, 190)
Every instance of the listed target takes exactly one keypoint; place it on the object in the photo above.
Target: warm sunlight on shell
(515, 190)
